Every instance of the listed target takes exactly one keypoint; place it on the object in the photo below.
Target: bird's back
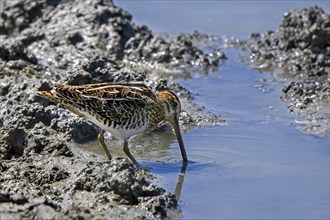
(125, 109)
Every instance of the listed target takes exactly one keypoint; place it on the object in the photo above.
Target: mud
(299, 53)
(43, 174)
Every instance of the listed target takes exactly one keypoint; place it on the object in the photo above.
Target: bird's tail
(56, 95)
(49, 95)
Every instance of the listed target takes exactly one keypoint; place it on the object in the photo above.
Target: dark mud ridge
(299, 52)
(43, 174)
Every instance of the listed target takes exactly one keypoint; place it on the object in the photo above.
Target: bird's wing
(118, 102)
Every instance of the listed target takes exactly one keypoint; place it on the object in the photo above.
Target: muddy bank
(299, 53)
(47, 186)
(43, 174)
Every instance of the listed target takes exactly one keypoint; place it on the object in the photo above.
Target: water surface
(258, 166)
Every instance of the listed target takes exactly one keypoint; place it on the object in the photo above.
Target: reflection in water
(152, 146)
(155, 146)
(177, 214)
(179, 184)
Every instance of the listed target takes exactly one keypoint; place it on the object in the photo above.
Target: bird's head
(172, 108)
(171, 104)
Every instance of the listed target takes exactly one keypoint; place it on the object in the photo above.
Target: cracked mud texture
(299, 52)
(43, 174)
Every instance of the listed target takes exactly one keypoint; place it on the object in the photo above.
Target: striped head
(172, 108)
(171, 104)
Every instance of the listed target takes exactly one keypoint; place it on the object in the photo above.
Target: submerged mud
(43, 174)
(299, 52)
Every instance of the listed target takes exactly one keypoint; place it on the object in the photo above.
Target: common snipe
(124, 110)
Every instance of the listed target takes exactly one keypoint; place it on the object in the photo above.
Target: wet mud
(299, 54)
(43, 173)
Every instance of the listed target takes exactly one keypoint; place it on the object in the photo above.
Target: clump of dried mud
(42, 172)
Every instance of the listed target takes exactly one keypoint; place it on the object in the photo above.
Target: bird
(123, 109)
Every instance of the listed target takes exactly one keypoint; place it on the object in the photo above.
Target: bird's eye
(174, 104)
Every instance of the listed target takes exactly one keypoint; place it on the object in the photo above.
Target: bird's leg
(126, 150)
(101, 140)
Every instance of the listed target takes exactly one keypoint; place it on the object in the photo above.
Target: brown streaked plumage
(122, 109)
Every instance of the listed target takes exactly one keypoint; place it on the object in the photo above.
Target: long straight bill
(175, 123)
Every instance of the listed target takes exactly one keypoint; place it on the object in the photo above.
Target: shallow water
(259, 165)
